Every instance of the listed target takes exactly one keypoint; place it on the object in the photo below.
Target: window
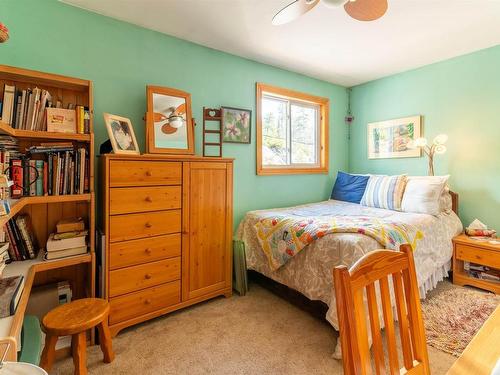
(292, 132)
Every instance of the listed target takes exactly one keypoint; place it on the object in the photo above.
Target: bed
(310, 271)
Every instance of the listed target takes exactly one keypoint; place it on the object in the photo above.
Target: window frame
(292, 96)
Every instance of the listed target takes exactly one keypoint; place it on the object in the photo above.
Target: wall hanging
(212, 115)
(391, 139)
(236, 125)
(169, 125)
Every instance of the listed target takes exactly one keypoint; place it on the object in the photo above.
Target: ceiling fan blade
(366, 10)
(293, 11)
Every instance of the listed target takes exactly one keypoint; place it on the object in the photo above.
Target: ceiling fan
(361, 10)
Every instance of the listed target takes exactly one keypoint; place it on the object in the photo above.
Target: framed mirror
(169, 126)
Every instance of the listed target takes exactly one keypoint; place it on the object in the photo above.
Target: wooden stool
(75, 319)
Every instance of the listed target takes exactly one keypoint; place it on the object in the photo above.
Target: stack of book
(20, 236)
(26, 109)
(51, 168)
(4, 256)
(69, 239)
(12, 289)
(478, 271)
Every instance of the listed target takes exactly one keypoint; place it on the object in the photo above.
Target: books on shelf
(76, 241)
(12, 289)
(33, 109)
(4, 256)
(479, 271)
(52, 168)
(23, 244)
(69, 225)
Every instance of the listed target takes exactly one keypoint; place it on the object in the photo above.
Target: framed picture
(169, 126)
(236, 125)
(121, 134)
(389, 139)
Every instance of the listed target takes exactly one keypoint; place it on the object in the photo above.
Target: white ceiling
(325, 43)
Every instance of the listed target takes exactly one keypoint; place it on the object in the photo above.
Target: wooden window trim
(324, 105)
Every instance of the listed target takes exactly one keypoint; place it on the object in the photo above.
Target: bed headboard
(454, 201)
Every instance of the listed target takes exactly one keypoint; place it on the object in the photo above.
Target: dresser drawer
(132, 226)
(144, 173)
(143, 302)
(130, 279)
(474, 254)
(142, 199)
(129, 253)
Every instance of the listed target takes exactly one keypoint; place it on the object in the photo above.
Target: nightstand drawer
(473, 254)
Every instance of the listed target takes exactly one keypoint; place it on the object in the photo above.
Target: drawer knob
(147, 301)
(149, 199)
(148, 276)
(147, 251)
(148, 225)
(149, 173)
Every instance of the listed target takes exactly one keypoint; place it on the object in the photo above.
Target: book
(73, 224)
(23, 222)
(61, 120)
(40, 167)
(12, 289)
(65, 243)
(8, 103)
(16, 175)
(49, 255)
(32, 177)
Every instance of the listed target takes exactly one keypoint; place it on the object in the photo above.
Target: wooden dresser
(168, 226)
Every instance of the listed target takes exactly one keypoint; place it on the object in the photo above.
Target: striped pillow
(384, 192)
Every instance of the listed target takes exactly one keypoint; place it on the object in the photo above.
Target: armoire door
(207, 228)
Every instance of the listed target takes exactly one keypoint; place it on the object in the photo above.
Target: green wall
(459, 97)
(122, 58)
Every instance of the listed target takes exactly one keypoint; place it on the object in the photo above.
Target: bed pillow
(384, 192)
(445, 200)
(349, 187)
(423, 194)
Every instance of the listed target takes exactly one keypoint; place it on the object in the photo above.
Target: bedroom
(438, 65)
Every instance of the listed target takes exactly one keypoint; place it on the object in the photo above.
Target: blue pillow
(349, 187)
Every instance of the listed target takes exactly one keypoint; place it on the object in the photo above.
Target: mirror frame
(150, 141)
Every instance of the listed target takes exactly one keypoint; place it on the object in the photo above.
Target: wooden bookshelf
(46, 211)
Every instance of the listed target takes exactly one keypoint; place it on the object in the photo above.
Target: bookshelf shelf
(19, 133)
(46, 211)
(10, 327)
(16, 205)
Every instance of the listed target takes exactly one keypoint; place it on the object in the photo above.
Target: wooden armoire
(167, 222)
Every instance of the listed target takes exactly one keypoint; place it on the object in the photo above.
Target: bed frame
(318, 309)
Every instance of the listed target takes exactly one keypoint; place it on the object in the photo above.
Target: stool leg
(49, 352)
(105, 341)
(79, 344)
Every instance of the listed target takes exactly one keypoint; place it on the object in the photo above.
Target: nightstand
(480, 252)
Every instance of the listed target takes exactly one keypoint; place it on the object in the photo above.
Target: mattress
(310, 271)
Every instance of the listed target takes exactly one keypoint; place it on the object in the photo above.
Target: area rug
(454, 315)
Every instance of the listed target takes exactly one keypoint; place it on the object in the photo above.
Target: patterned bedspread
(284, 236)
(310, 271)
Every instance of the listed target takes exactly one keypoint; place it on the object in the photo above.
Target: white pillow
(423, 194)
(445, 201)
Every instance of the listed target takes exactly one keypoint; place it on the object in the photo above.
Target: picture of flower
(236, 125)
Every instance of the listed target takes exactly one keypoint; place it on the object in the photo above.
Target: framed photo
(121, 134)
(169, 126)
(389, 139)
(236, 125)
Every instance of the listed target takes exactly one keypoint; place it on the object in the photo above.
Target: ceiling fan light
(335, 3)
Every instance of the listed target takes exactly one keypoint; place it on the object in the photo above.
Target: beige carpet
(256, 334)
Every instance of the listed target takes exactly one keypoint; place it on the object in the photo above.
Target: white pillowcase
(423, 194)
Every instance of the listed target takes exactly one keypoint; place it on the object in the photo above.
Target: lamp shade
(440, 149)
(440, 139)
